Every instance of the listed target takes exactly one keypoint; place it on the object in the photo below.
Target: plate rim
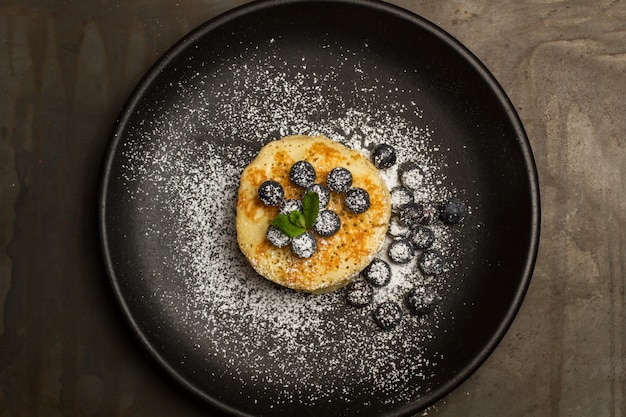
(204, 29)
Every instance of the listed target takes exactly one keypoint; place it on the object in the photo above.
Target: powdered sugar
(401, 251)
(182, 165)
(378, 273)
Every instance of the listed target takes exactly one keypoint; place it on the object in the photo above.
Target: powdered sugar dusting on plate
(182, 165)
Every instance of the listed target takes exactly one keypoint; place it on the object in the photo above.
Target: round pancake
(339, 257)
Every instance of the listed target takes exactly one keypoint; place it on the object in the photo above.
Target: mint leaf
(297, 219)
(297, 222)
(284, 224)
(310, 208)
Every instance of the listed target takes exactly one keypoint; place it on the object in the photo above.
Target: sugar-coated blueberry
(428, 213)
(388, 315)
(401, 251)
(339, 180)
(304, 245)
(359, 293)
(377, 273)
(432, 262)
(384, 156)
(302, 173)
(422, 300)
(287, 206)
(401, 197)
(411, 175)
(271, 193)
(327, 223)
(422, 237)
(322, 192)
(410, 215)
(277, 237)
(357, 200)
(453, 211)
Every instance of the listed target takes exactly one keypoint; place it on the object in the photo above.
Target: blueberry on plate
(327, 223)
(384, 156)
(453, 211)
(302, 173)
(411, 175)
(387, 315)
(410, 215)
(322, 192)
(401, 197)
(277, 237)
(304, 245)
(271, 193)
(359, 293)
(428, 213)
(339, 180)
(357, 200)
(377, 273)
(401, 251)
(422, 237)
(287, 206)
(432, 262)
(422, 300)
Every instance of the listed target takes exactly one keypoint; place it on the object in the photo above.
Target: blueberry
(410, 215)
(422, 237)
(418, 213)
(421, 300)
(276, 237)
(401, 251)
(304, 245)
(387, 315)
(339, 180)
(384, 156)
(401, 197)
(429, 213)
(327, 223)
(357, 200)
(302, 173)
(411, 175)
(432, 262)
(453, 211)
(322, 192)
(377, 273)
(359, 293)
(287, 206)
(271, 193)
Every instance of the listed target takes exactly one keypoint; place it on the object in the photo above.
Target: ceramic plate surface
(361, 73)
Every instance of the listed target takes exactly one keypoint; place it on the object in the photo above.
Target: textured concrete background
(66, 68)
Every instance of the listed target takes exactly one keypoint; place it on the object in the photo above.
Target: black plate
(360, 72)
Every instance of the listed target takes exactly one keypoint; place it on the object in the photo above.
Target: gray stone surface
(66, 69)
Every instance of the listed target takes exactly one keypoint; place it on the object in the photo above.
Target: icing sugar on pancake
(339, 257)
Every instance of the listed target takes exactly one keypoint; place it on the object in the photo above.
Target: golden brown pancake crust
(339, 257)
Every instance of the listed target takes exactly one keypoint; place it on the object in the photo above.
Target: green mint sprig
(310, 208)
(298, 222)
